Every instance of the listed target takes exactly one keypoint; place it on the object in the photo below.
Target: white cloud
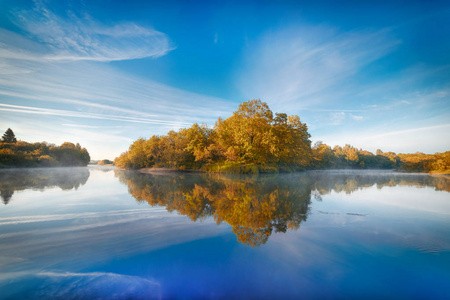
(337, 118)
(295, 68)
(356, 117)
(48, 78)
(413, 131)
(74, 114)
(216, 38)
(72, 37)
(98, 95)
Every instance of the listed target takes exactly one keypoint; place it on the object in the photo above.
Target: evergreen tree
(9, 136)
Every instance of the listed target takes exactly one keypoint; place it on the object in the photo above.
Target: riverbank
(253, 169)
(163, 171)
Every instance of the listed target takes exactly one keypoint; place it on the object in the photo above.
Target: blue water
(101, 233)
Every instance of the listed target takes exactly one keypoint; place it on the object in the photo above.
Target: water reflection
(253, 207)
(349, 181)
(257, 206)
(21, 179)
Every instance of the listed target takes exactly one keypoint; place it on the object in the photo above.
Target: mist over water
(95, 232)
(12, 180)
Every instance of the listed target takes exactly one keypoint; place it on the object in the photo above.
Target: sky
(375, 75)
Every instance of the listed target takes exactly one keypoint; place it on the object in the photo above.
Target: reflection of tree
(257, 206)
(21, 179)
(349, 181)
(6, 195)
(254, 208)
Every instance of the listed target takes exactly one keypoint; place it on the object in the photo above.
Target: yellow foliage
(251, 137)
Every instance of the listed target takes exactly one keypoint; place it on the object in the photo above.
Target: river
(103, 233)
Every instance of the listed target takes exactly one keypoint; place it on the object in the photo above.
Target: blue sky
(104, 73)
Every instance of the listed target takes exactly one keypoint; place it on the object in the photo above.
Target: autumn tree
(323, 156)
(251, 137)
(290, 141)
(24, 154)
(199, 142)
(246, 135)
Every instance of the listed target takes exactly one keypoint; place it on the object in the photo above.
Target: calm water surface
(101, 233)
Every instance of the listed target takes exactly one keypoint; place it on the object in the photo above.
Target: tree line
(252, 140)
(255, 140)
(325, 157)
(14, 153)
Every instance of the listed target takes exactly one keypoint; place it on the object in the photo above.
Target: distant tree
(9, 136)
(105, 162)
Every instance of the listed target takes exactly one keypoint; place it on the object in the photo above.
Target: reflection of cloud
(89, 285)
(401, 199)
(110, 276)
(46, 240)
(85, 215)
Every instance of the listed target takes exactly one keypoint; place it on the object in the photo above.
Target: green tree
(9, 136)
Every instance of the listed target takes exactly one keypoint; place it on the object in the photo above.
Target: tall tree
(9, 136)
(246, 135)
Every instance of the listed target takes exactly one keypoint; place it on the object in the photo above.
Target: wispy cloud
(66, 113)
(80, 126)
(77, 36)
(428, 139)
(356, 117)
(413, 130)
(216, 38)
(49, 71)
(337, 118)
(295, 67)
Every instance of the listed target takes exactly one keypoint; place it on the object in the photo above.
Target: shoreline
(167, 171)
(164, 171)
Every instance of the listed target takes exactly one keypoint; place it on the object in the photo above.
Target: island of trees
(255, 140)
(252, 140)
(14, 153)
(105, 162)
